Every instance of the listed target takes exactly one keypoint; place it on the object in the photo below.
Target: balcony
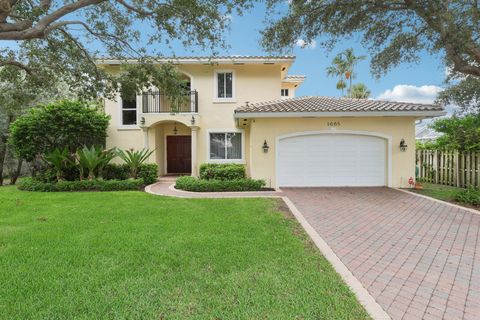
(156, 102)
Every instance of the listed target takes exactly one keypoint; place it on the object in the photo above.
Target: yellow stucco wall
(253, 83)
(292, 87)
(261, 129)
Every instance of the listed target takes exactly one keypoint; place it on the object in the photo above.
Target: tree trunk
(16, 174)
(3, 153)
(3, 147)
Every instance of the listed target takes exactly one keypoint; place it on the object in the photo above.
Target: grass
(438, 191)
(119, 255)
(442, 192)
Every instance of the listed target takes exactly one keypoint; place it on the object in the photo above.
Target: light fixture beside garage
(403, 145)
(265, 146)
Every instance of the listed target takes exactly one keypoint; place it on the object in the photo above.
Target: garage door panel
(332, 160)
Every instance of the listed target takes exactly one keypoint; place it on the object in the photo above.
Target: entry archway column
(145, 137)
(194, 150)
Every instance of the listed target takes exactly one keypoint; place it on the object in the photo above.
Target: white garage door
(331, 160)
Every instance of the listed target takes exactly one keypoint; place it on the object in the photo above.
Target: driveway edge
(440, 201)
(365, 299)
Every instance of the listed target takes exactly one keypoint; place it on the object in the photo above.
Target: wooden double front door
(179, 154)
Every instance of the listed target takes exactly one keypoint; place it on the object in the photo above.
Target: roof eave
(417, 114)
(233, 60)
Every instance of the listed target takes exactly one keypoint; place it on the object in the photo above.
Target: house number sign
(333, 123)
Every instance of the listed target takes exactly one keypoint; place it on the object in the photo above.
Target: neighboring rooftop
(424, 133)
(328, 105)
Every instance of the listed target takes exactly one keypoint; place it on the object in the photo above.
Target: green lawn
(438, 191)
(118, 255)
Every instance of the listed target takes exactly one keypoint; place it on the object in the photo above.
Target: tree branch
(39, 29)
(135, 9)
(16, 64)
(101, 37)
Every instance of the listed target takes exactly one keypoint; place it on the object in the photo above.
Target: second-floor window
(224, 85)
(129, 111)
(284, 92)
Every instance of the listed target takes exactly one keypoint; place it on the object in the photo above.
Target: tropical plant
(350, 62)
(338, 69)
(359, 91)
(394, 32)
(93, 160)
(343, 66)
(58, 159)
(134, 159)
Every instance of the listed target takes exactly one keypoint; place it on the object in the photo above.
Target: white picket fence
(453, 168)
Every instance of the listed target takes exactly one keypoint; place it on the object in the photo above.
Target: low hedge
(148, 172)
(469, 196)
(222, 171)
(188, 183)
(29, 184)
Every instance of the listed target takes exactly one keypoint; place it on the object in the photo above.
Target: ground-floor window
(225, 145)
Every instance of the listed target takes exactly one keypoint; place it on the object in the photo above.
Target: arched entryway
(173, 145)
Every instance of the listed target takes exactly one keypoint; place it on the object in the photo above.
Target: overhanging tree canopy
(394, 32)
(54, 38)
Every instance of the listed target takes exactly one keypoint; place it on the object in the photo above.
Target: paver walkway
(167, 189)
(420, 259)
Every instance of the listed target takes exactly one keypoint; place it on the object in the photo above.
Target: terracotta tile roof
(330, 104)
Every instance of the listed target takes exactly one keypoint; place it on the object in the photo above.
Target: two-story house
(243, 109)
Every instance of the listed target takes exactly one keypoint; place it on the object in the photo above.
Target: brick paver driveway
(418, 258)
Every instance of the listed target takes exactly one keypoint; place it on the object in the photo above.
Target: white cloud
(409, 93)
(306, 45)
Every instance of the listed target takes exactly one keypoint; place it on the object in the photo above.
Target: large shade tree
(48, 39)
(394, 32)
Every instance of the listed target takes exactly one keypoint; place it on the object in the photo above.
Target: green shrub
(188, 183)
(471, 196)
(48, 174)
(29, 184)
(222, 171)
(113, 171)
(63, 124)
(147, 171)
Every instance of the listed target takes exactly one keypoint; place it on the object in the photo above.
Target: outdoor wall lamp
(265, 146)
(175, 130)
(403, 145)
(142, 121)
(192, 121)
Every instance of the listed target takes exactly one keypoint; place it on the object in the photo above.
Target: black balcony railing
(156, 102)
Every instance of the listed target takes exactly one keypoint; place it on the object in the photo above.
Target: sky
(408, 82)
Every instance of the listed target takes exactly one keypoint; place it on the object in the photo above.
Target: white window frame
(285, 90)
(239, 161)
(215, 86)
(120, 115)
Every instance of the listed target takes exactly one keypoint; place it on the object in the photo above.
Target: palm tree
(359, 91)
(350, 61)
(338, 69)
